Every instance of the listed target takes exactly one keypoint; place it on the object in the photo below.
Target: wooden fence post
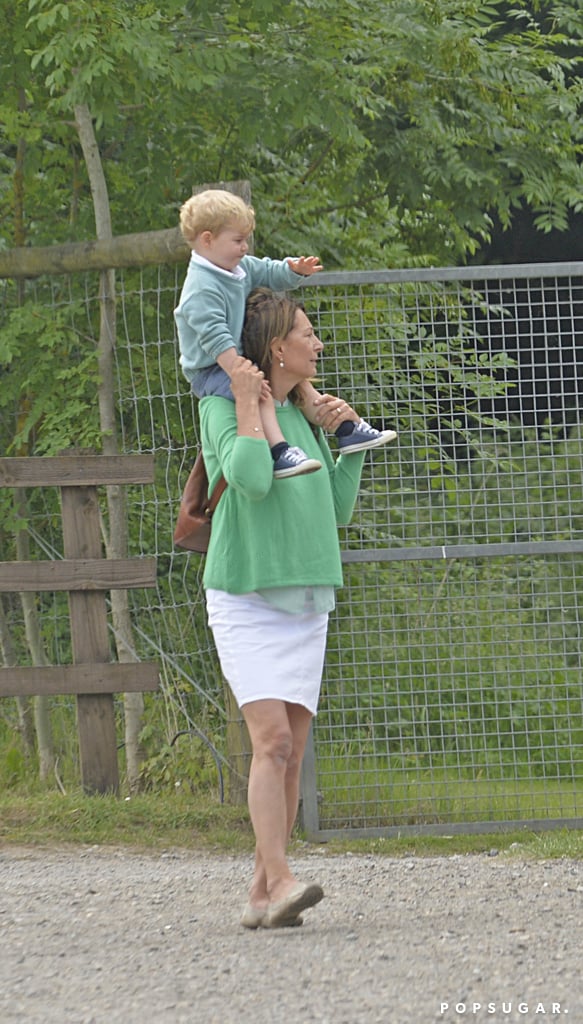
(90, 643)
(86, 575)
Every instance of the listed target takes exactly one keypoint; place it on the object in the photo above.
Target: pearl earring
(281, 363)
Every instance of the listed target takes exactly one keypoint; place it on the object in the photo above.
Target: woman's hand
(331, 411)
(248, 385)
(246, 380)
(249, 380)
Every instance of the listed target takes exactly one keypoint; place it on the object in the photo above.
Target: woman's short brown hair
(268, 315)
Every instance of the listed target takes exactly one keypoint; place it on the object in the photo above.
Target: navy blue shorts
(212, 381)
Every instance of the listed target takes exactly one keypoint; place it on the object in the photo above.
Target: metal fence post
(309, 817)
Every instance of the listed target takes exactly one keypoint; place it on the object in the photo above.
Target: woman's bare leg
(278, 735)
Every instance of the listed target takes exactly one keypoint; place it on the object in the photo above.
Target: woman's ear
(276, 349)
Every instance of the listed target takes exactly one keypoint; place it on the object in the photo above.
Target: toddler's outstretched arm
(305, 265)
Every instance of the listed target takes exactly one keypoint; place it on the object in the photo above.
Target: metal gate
(452, 698)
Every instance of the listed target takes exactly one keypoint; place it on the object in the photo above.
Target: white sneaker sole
(309, 466)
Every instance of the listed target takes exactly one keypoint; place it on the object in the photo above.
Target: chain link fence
(452, 696)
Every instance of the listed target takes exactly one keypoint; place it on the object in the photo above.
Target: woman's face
(300, 350)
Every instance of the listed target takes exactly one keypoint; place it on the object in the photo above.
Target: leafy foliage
(441, 116)
(51, 375)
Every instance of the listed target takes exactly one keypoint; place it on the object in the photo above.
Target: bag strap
(214, 498)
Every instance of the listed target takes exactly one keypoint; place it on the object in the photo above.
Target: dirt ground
(101, 936)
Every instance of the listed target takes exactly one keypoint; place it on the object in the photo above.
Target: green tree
(375, 133)
(69, 43)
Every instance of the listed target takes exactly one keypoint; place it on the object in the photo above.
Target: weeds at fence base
(159, 821)
(379, 797)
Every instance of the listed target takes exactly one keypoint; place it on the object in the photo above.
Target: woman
(272, 567)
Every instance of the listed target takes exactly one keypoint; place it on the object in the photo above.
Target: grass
(383, 797)
(148, 821)
(152, 822)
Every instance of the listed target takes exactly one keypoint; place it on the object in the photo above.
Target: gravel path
(101, 936)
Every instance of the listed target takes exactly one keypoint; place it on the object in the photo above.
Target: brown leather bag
(193, 526)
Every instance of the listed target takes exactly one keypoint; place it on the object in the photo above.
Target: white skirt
(266, 653)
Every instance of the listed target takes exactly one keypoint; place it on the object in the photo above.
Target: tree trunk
(33, 633)
(24, 706)
(116, 533)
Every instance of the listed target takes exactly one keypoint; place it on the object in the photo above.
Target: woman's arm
(346, 470)
(345, 473)
(246, 385)
(233, 441)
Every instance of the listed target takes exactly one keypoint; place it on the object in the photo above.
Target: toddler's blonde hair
(214, 210)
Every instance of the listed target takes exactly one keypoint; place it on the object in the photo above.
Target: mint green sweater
(210, 314)
(268, 532)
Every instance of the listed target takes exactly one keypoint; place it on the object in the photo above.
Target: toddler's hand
(305, 265)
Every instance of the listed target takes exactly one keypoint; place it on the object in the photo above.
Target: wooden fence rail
(85, 575)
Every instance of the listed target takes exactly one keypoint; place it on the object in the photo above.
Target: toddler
(209, 317)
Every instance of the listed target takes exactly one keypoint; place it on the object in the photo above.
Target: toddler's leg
(270, 424)
(352, 437)
(287, 460)
(309, 400)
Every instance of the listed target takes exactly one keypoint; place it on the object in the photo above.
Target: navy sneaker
(294, 462)
(363, 437)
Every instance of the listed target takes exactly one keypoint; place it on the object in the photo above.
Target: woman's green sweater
(268, 532)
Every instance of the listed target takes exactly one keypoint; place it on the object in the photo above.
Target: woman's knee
(277, 744)
(293, 767)
(270, 730)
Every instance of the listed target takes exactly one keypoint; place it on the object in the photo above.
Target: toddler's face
(227, 249)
